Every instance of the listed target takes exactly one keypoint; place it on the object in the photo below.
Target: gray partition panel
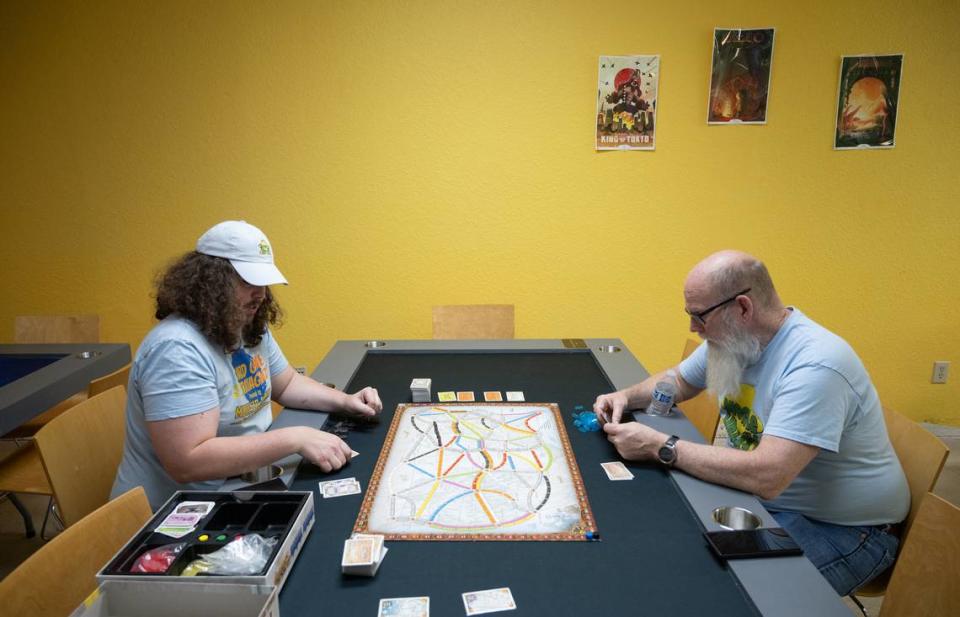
(33, 394)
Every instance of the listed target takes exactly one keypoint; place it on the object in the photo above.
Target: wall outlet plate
(941, 368)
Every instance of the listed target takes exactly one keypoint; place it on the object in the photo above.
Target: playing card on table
(492, 396)
(446, 397)
(404, 607)
(378, 550)
(364, 568)
(488, 601)
(339, 488)
(358, 553)
(515, 396)
(617, 471)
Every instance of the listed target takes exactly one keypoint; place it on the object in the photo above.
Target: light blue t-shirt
(178, 372)
(809, 386)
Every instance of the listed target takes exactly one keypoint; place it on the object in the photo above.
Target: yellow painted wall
(403, 154)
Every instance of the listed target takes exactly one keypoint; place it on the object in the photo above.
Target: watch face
(666, 455)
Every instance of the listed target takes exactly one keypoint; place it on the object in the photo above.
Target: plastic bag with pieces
(245, 556)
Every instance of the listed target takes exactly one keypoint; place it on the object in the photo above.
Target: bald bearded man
(804, 422)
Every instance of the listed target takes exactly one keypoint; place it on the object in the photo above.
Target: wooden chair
(924, 580)
(473, 321)
(32, 329)
(56, 579)
(702, 410)
(119, 377)
(81, 451)
(73, 459)
(922, 456)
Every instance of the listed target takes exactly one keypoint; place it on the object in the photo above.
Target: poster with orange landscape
(740, 76)
(867, 101)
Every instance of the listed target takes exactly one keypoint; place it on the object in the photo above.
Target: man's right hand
(325, 450)
(609, 407)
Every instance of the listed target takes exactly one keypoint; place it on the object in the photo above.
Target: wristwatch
(667, 454)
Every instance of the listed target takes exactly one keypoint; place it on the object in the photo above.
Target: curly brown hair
(201, 288)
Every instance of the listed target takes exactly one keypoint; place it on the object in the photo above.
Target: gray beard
(727, 360)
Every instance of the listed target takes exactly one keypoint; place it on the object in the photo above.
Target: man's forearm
(222, 457)
(727, 466)
(765, 471)
(305, 393)
(639, 395)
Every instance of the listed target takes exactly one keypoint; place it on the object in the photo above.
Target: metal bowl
(262, 474)
(608, 349)
(734, 518)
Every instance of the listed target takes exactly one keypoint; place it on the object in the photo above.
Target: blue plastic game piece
(586, 421)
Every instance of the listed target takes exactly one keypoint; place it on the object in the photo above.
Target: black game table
(34, 378)
(651, 558)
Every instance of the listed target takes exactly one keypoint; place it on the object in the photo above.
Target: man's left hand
(634, 441)
(366, 402)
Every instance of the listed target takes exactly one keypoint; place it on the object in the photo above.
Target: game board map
(482, 458)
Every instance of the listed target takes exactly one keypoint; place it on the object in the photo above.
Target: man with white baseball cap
(201, 384)
(247, 249)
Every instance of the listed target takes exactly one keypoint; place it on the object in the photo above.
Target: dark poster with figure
(740, 77)
(867, 101)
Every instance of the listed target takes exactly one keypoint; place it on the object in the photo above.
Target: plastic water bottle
(663, 394)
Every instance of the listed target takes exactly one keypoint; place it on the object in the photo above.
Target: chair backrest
(81, 449)
(924, 580)
(119, 377)
(58, 577)
(702, 410)
(473, 321)
(56, 329)
(921, 455)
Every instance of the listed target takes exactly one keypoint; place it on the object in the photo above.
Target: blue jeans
(847, 556)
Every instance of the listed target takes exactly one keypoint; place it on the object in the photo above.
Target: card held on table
(616, 470)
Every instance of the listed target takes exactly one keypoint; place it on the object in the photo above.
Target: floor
(14, 547)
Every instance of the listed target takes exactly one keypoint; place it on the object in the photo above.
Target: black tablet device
(764, 542)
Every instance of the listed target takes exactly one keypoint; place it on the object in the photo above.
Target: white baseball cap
(246, 247)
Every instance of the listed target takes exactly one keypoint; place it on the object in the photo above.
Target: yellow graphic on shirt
(744, 427)
(251, 390)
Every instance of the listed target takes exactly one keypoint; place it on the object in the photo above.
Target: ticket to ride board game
(481, 471)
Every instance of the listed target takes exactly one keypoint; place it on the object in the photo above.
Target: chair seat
(22, 472)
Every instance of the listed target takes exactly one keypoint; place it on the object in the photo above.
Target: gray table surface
(784, 586)
(33, 394)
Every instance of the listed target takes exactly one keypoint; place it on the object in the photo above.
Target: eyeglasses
(701, 317)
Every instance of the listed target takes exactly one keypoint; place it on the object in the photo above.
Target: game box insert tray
(286, 516)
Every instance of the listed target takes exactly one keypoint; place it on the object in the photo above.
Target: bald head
(726, 273)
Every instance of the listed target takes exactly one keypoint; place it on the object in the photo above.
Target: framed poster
(627, 102)
(740, 76)
(867, 101)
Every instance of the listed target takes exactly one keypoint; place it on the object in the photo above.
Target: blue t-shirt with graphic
(809, 386)
(177, 372)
